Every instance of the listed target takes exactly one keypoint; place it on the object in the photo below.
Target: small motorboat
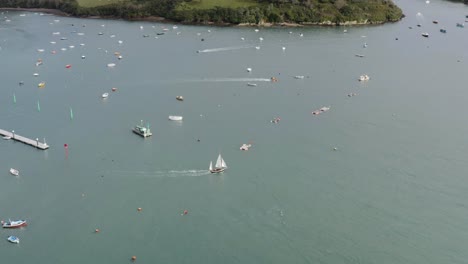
(324, 109)
(35, 74)
(41, 85)
(249, 69)
(252, 84)
(13, 239)
(111, 65)
(179, 98)
(273, 79)
(105, 95)
(364, 77)
(299, 77)
(100, 33)
(359, 55)
(435, 22)
(460, 25)
(442, 30)
(14, 172)
(176, 118)
(425, 34)
(14, 224)
(114, 89)
(245, 146)
(275, 120)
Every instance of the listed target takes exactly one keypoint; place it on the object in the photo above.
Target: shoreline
(168, 21)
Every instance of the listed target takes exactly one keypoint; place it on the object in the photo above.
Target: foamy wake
(149, 174)
(224, 49)
(232, 80)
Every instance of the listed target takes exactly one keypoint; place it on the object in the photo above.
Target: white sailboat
(220, 165)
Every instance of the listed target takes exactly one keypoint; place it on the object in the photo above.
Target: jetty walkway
(25, 140)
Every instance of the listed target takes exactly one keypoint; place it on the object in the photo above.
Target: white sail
(220, 163)
(211, 166)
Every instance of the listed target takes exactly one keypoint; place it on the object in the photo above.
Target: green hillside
(329, 12)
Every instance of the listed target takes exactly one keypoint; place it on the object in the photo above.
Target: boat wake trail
(159, 174)
(224, 49)
(233, 80)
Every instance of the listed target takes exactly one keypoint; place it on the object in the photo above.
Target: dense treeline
(267, 11)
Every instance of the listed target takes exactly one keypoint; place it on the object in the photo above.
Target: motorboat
(179, 98)
(359, 55)
(460, 25)
(14, 224)
(324, 109)
(220, 165)
(249, 69)
(111, 65)
(41, 85)
(364, 77)
(14, 172)
(245, 146)
(275, 120)
(176, 118)
(35, 74)
(252, 84)
(105, 95)
(299, 77)
(13, 239)
(425, 34)
(442, 30)
(435, 22)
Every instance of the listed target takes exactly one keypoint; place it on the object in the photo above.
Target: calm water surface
(394, 191)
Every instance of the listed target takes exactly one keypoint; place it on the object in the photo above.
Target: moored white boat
(180, 98)
(14, 172)
(364, 77)
(299, 77)
(14, 224)
(111, 65)
(176, 118)
(13, 239)
(105, 95)
(245, 146)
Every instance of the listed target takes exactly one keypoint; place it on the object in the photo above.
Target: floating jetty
(25, 140)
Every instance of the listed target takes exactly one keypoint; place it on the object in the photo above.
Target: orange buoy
(139, 209)
(96, 230)
(133, 258)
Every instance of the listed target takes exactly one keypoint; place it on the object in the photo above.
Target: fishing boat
(179, 98)
(220, 165)
(105, 95)
(14, 224)
(14, 172)
(13, 239)
(142, 131)
(175, 118)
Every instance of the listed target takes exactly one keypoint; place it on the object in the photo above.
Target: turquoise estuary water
(395, 189)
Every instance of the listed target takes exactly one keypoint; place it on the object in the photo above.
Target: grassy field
(93, 3)
(208, 4)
